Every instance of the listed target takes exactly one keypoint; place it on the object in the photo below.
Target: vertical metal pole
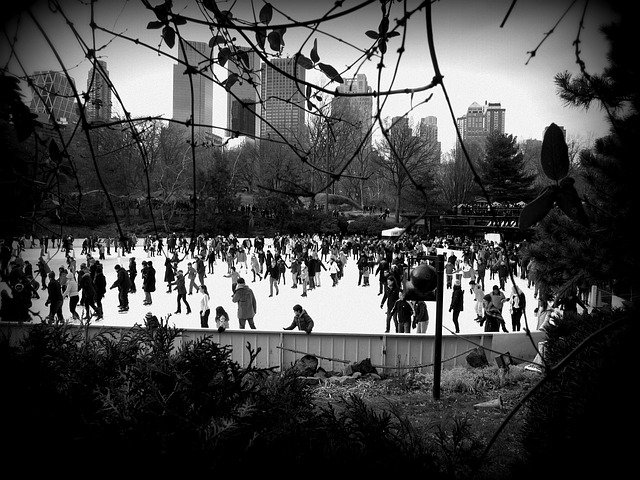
(437, 348)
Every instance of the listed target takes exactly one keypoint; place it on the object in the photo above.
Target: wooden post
(437, 348)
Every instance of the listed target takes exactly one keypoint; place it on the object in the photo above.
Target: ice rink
(346, 308)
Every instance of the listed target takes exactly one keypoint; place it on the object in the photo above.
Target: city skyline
(479, 60)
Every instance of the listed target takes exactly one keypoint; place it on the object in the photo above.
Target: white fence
(389, 353)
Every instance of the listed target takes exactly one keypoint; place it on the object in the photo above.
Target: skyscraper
(429, 133)
(241, 118)
(98, 107)
(474, 123)
(494, 118)
(354, 109)
(283, 106)
(480, 122)
(52, 97)
(400, 124)
(196, 52)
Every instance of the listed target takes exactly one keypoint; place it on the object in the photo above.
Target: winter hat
(148, 316)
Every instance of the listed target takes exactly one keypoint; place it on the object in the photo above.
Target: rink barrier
(392, 353)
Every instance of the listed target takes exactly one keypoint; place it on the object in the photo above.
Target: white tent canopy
(393, 232)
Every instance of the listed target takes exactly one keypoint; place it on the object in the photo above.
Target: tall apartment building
(243, 96)
(52, 97)
(481, 121)
(283, 104)
(196, 52)
(400, 123)
(428, 131)
(354, 109)
(494, 118)
(98, 107)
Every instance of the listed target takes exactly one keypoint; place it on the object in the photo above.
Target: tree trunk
(398, 193)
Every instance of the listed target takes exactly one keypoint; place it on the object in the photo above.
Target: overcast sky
(479, 60)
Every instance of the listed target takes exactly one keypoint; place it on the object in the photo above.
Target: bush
(368, 225)
(136, 395)
(310, 222)
(134, 399)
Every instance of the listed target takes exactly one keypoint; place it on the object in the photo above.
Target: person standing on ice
(247, 306)
(457, 301)
(478, 296)
(391, 295)
(181, 288)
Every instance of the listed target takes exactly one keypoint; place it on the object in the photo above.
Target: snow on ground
(346, 308)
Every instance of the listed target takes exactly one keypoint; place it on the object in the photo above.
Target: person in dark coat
(100, 284)
(122, 284)
(247, 307)
(148, 282)
(362, 261)
(311, 270)
(55, 299)
(391, 295)
(86, 285)
(457, 300)
(403, 311)
(169, 273)
(133, 273)
(301, 319)
(382, 270)
(43, 270)
(518, 303)
(274, 275)
(181, 288)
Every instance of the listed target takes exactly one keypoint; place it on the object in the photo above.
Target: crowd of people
(297, 259)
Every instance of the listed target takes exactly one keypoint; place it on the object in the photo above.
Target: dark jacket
(122, 282)
(55, 291)
(133, 269)
(318, 265)
(169, 272)
(303, 321)
(100, 284)
(420, 313)
(311, 267)
(87, 286)
(200, 268)
(274, 271)
(391, 294)
(149, 279)
(179, 283)
(246, 301)
(457, 298)
(404, 310)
